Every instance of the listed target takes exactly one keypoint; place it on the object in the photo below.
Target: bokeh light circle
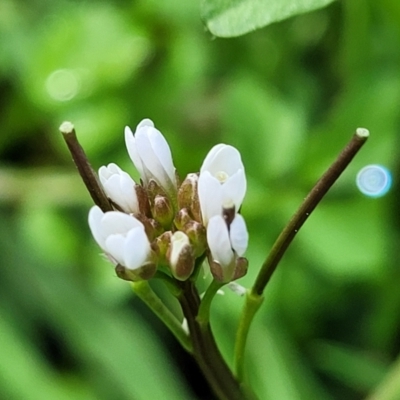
(62, 84)
(374, 180)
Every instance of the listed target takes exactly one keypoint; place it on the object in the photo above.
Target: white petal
(210, 196)
(115, 222)
(218, 241)
(127, 185)
(211, 156)
(239, 236)
(145, 122)
(162, 151)
(95, 224)
(104, 174)
(223, 158)
(234, 189)
(115, 246)
(156, 156)
(136, 248)
(119, 187)
(133, 153)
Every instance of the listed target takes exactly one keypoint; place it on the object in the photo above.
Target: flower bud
(119, 187)
(163, 243)
(182, 218)
(151, 155)
(188, 196)
(197, 235)
(163, 211)
(180, 256)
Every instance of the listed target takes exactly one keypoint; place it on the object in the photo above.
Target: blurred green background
(288, 97)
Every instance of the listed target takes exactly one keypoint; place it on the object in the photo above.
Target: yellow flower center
(222, 176)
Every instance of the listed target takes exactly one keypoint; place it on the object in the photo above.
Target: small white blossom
(222, 181)
(119, 187)
(227, 243)
(121, 236)
(150, 153)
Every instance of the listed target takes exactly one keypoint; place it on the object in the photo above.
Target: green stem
(147, 295)
(206, 352)
(310, 202)
(203, 316)
(254, 298)
(252, 304)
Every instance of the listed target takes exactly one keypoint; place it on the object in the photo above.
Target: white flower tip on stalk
(362, 132)
(66, 127)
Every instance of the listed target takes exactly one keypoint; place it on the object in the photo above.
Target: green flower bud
(197, 235)
(163, 212)
(188, 197)
(163, 243)
(182, 218)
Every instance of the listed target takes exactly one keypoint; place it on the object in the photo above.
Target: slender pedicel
(89, 177)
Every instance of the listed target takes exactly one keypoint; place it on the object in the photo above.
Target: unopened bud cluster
(161, 223)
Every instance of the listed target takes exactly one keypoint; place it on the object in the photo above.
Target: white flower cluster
(161, 223)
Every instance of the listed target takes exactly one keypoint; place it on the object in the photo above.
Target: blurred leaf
(26, 375)
(355, 368)
(227, 18)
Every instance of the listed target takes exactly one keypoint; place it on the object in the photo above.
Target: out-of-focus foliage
(227, 18)
(288, 97)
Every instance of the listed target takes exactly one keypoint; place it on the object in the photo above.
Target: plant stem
(85, 170)
(203, 316)
(205, 350)
(310, 202)
(147, 295)
(251, 305)
(255, 296)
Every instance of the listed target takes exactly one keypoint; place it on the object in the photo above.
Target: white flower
(119, 187)
(227, 243)
(121, 236)
(150, 153)
(222, 181)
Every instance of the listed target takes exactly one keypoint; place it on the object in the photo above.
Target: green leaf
(229, 18)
